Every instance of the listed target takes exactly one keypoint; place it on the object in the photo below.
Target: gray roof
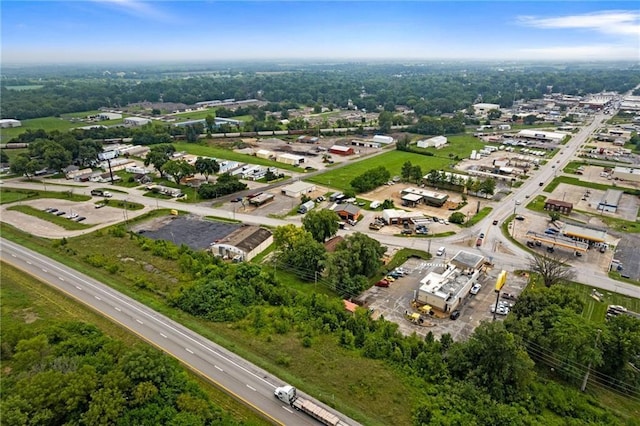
(246, 238)
(465, 259)
(349, 208)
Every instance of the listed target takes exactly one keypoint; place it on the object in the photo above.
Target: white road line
(139, 322)
(218, 368)
(189, 350)
(29, 263)
(252, 388)
(61, 279)
(117, 309)
(97, 297)
(78, 287)
(44, 270)
(163, 335)
(13, 255)
(287, 409)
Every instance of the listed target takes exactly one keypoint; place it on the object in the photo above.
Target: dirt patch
(27, 315)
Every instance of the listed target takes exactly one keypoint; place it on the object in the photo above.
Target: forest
(428, 89)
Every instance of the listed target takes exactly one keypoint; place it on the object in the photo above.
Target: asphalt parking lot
(629, 256)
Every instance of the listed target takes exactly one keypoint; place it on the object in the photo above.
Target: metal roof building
(610, 200)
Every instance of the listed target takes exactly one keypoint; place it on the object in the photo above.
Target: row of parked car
(392, 276)
(71, 216)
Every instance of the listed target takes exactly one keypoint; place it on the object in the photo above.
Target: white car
(518, 202)
(475, 289)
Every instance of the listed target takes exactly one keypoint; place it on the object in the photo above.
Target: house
(136, 121)
(9, 122)
(243, 244)
(341, 150)
(297, 189)
(347, 211)
(435, 142)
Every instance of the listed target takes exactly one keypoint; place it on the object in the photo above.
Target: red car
(382, 283)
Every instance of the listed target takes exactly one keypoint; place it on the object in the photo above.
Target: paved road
(240, 378)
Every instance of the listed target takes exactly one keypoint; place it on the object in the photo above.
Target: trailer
(289, 395)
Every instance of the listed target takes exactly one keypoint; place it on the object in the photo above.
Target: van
(440, 251)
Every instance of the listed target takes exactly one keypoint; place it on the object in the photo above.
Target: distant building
(9, 122)
(297, 189)
(558, 206)
(136, 121)
(540, 135)
(383, 140)
(482, 109)
(109, 116)
(341, 150)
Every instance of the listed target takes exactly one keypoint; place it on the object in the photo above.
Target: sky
(92, 31)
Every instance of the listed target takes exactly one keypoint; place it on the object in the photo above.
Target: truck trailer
(289, 395)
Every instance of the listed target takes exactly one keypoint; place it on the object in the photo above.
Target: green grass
(61, 221)
(484, 212)
(596, 311)
(11, 195)
(82, 114)
(120, 204)
(45, 123)
(25, 299)
(210, 150)
(577, 182)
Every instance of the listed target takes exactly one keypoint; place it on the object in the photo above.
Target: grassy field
(25, 300)
(460, 146)
(595, 310)
(46, 123)
(11, 195)
(226, 154)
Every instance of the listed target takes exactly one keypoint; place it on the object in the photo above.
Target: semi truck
(289, 395)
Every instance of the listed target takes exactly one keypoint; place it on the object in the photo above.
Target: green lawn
(577, 182)
(595, 310)
(45, 123)
(10, 195)
(460, 146)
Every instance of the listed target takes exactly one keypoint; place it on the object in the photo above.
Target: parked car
(382, 283)
(519, 217)
(455, 315)
(53, 210)
(541, 184)
(59, 213)
(475, 289)
(495, 222)
(79, 219)
(236, 200)
(482, 235)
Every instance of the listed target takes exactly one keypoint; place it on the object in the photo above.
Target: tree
(299, 251)
(552, 268)
(494, 359)
(457, 217)
(210, 119)
(207, 166)
(4, 158)
(554, 216)
(488, 186)
(178, 169)
(25, 165)
(416, 173)
(158, 155)
(494, 114)
(322, 224)
(407, 169)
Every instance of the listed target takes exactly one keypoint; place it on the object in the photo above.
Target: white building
(290, 159)
(482, 109)
(627, 174)
(382, 140)
(109, 116)
(541, 135)
(243, 244)
(9, 122)
(296, 189)
(436, 142)
(136, 121)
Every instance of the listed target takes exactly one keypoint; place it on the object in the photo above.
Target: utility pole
(586, 376)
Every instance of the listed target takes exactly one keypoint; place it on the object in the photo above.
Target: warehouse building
(136, 121)
(435, 142)
(9, 122)
(610, 201)
(291, 159)
(243, 244)
(341, 150)
(297, 189)
(431, 198)
(540, 135)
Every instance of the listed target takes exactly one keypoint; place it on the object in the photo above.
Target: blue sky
(136, 31)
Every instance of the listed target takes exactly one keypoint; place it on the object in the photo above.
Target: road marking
(61, 279)
(138, 321)
(29, 263)
(44, 270)
(163, 335)
(97, 297)
(78, 287)
(287, 409)
(218, 368)
(252, 388)
(189, 350)
(13, 255)
(117, 309)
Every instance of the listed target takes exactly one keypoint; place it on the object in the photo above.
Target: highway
(245, 381)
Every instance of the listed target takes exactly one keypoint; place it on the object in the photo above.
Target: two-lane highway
(243, 380)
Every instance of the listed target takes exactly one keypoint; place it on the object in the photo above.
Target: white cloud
(136, 8)
(621, 22)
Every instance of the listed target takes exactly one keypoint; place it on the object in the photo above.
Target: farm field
(460, 146)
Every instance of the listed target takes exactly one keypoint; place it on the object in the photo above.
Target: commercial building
(136, 121)
(341, 150)
(347, 211)
(627, 174)
(540, 135)
(291, 159)
(382, 140)
(445, 288)
(297, 189)
(610, 200)
(109, 116)
(428, 197)
(587, 235)
(482, 109)
(243, 244)
(393, 216)
(563, 207)
(435, 142)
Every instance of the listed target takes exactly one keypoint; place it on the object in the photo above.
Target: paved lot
(395, 301)
(628, 254)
